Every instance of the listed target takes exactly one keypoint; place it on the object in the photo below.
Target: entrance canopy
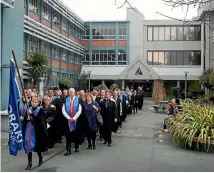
(139, 70)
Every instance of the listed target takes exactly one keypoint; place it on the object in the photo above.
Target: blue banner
(15, 130)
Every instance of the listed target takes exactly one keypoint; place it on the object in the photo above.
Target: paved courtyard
(139, 146)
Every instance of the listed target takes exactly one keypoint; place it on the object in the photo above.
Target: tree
(38, 66)
(114, 86)
(83, 80)
(207, 78)
(64, 83)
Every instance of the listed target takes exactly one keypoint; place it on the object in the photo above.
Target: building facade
(132, 52)
(157, 49)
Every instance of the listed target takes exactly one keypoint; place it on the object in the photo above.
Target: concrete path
(140, 145)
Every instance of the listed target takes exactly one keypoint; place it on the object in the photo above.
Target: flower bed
(194, 128)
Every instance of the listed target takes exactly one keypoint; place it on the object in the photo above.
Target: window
(122, 57)
(180, 33)
(71, 76)
(46, 12)
(64, 75)
(174, 57)
(71, 57)
(180, 58)
(34, 6)
(64, 55)
(167, 58)
(150, 33)
(86, 33)
(104, 57)
(56, 18)
(161, 33)
(161, 58)
(104, 31)
(155, 58)
(45, 48)
(33, 44)
(64, 24)
(122, 31)
(55, 52)
(155, 33)
(149, 58)
(174, 33)
(186, 33)
(167, 33)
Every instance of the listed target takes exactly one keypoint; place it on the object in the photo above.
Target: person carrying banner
(36, 136)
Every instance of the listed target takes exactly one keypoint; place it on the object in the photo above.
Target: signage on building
(138, 72)
(8, 3)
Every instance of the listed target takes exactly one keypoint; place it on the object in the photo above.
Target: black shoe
(40, 161)
(94, 147)
(68, 152)
(89, 147)
(29, 166)
(109, 145)
(101, 139)
(105, 142)
(77, 150)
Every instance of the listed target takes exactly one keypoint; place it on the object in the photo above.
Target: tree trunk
(159, 93)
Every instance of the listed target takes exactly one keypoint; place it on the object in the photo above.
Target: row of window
(174, 33)
(34, 46)
(105, 57)
(56, 76)
(34, 5)
(106, 31)
(174, 57)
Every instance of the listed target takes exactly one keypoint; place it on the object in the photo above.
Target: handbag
(99, 118)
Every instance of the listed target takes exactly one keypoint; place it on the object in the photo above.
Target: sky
(95, 10)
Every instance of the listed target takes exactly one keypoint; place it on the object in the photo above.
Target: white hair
(71, 90)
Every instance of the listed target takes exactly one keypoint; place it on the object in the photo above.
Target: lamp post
(186, 72)
(89, 81)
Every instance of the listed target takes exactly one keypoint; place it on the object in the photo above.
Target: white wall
(136, 33)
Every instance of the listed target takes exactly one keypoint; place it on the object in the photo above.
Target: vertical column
(103, 82)
(41, 10)
(51, 11)
(90, 45)
(27, 6)
(123, 84)
(60, 60)
(178, 83)
(26, 44)
(127, 43)
(60, 23)
(51, 55)
(74, 69)
(68, 61)
(117, 38)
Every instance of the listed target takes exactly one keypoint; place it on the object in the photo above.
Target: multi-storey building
(156, 49)
(129, 53)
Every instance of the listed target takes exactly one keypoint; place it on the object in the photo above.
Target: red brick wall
(56, 28)
(34, 16)
(71, 67)
(55, 63)
(122, 43)
(64, 65)
(46, 23)
(65, 33)
(85, 43)
(78, 68)
(103, 43)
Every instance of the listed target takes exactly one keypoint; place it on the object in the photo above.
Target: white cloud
(107, 10)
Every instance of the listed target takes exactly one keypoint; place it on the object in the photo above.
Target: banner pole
(20, 78)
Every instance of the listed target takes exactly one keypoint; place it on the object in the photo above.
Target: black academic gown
(81, 124)
(40, 130)
(108, 113)
(118, 110)
(134, 101)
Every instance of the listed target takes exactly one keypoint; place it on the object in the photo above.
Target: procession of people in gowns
(75, 115)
